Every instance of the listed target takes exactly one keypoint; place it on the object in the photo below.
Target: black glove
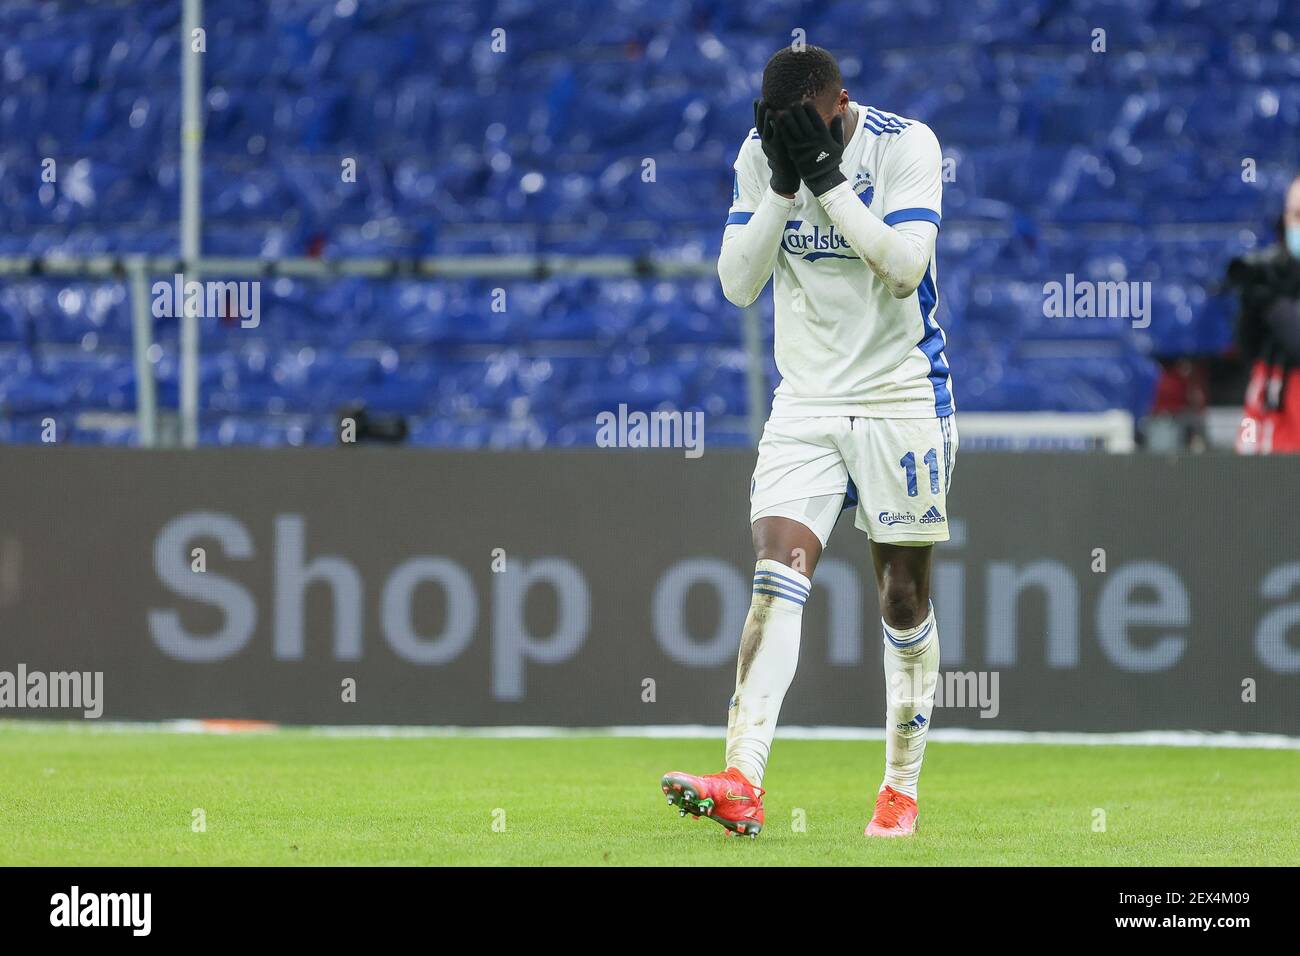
(785, 178)
(816, 150)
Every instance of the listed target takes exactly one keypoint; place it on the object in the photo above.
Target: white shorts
(895, 470)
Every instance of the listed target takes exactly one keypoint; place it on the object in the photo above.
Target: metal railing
(1112, 430)
(137, 271)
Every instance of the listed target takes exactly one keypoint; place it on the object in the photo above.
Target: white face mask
(1293, 241)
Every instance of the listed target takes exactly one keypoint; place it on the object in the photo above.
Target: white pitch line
(1145, 738)
(1150, 738)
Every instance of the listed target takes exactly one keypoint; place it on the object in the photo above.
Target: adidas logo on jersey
(820, 156)
(933, 516)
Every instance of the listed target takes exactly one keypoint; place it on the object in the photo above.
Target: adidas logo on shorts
(933, 516)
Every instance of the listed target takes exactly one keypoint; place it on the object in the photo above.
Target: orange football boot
(727, 798)
(895, 815)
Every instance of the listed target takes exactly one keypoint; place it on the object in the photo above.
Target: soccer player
(841, 203)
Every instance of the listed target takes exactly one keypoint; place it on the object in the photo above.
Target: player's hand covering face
(785, 178)
(815, 148)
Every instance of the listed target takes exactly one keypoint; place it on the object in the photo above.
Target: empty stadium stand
(1122, 165)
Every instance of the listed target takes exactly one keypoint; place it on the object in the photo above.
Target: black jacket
(1268, 323)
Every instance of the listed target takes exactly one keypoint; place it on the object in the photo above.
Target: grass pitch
(75, 796)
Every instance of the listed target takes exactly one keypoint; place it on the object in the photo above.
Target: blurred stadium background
(529, 241)
(1122, 165)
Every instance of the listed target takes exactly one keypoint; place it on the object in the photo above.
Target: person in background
(1268, 333)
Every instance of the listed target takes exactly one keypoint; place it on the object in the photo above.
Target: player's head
(808, 75)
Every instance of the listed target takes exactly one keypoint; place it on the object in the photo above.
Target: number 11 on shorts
(908, 462)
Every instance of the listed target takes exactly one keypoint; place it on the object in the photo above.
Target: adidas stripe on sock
(911, 674)
(769, 653)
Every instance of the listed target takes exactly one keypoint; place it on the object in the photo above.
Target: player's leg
(907, 467)
(786, 551)
(911, 665)
(795, 499)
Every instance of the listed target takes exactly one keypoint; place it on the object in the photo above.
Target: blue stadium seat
(599, 134)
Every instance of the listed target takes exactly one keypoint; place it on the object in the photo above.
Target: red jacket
(1270, 419)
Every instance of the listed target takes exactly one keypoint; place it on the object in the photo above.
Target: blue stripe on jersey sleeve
(914, 214)
(932, 343)
(739, 218)
(893, 124)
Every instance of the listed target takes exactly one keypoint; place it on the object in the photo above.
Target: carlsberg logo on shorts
(895, 517)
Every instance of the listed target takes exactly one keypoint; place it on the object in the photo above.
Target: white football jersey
(844, 344)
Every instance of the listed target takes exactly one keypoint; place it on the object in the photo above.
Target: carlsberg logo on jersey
(822, 243)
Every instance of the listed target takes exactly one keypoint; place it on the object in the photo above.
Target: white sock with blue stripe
(769, 653)
(911, 675)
